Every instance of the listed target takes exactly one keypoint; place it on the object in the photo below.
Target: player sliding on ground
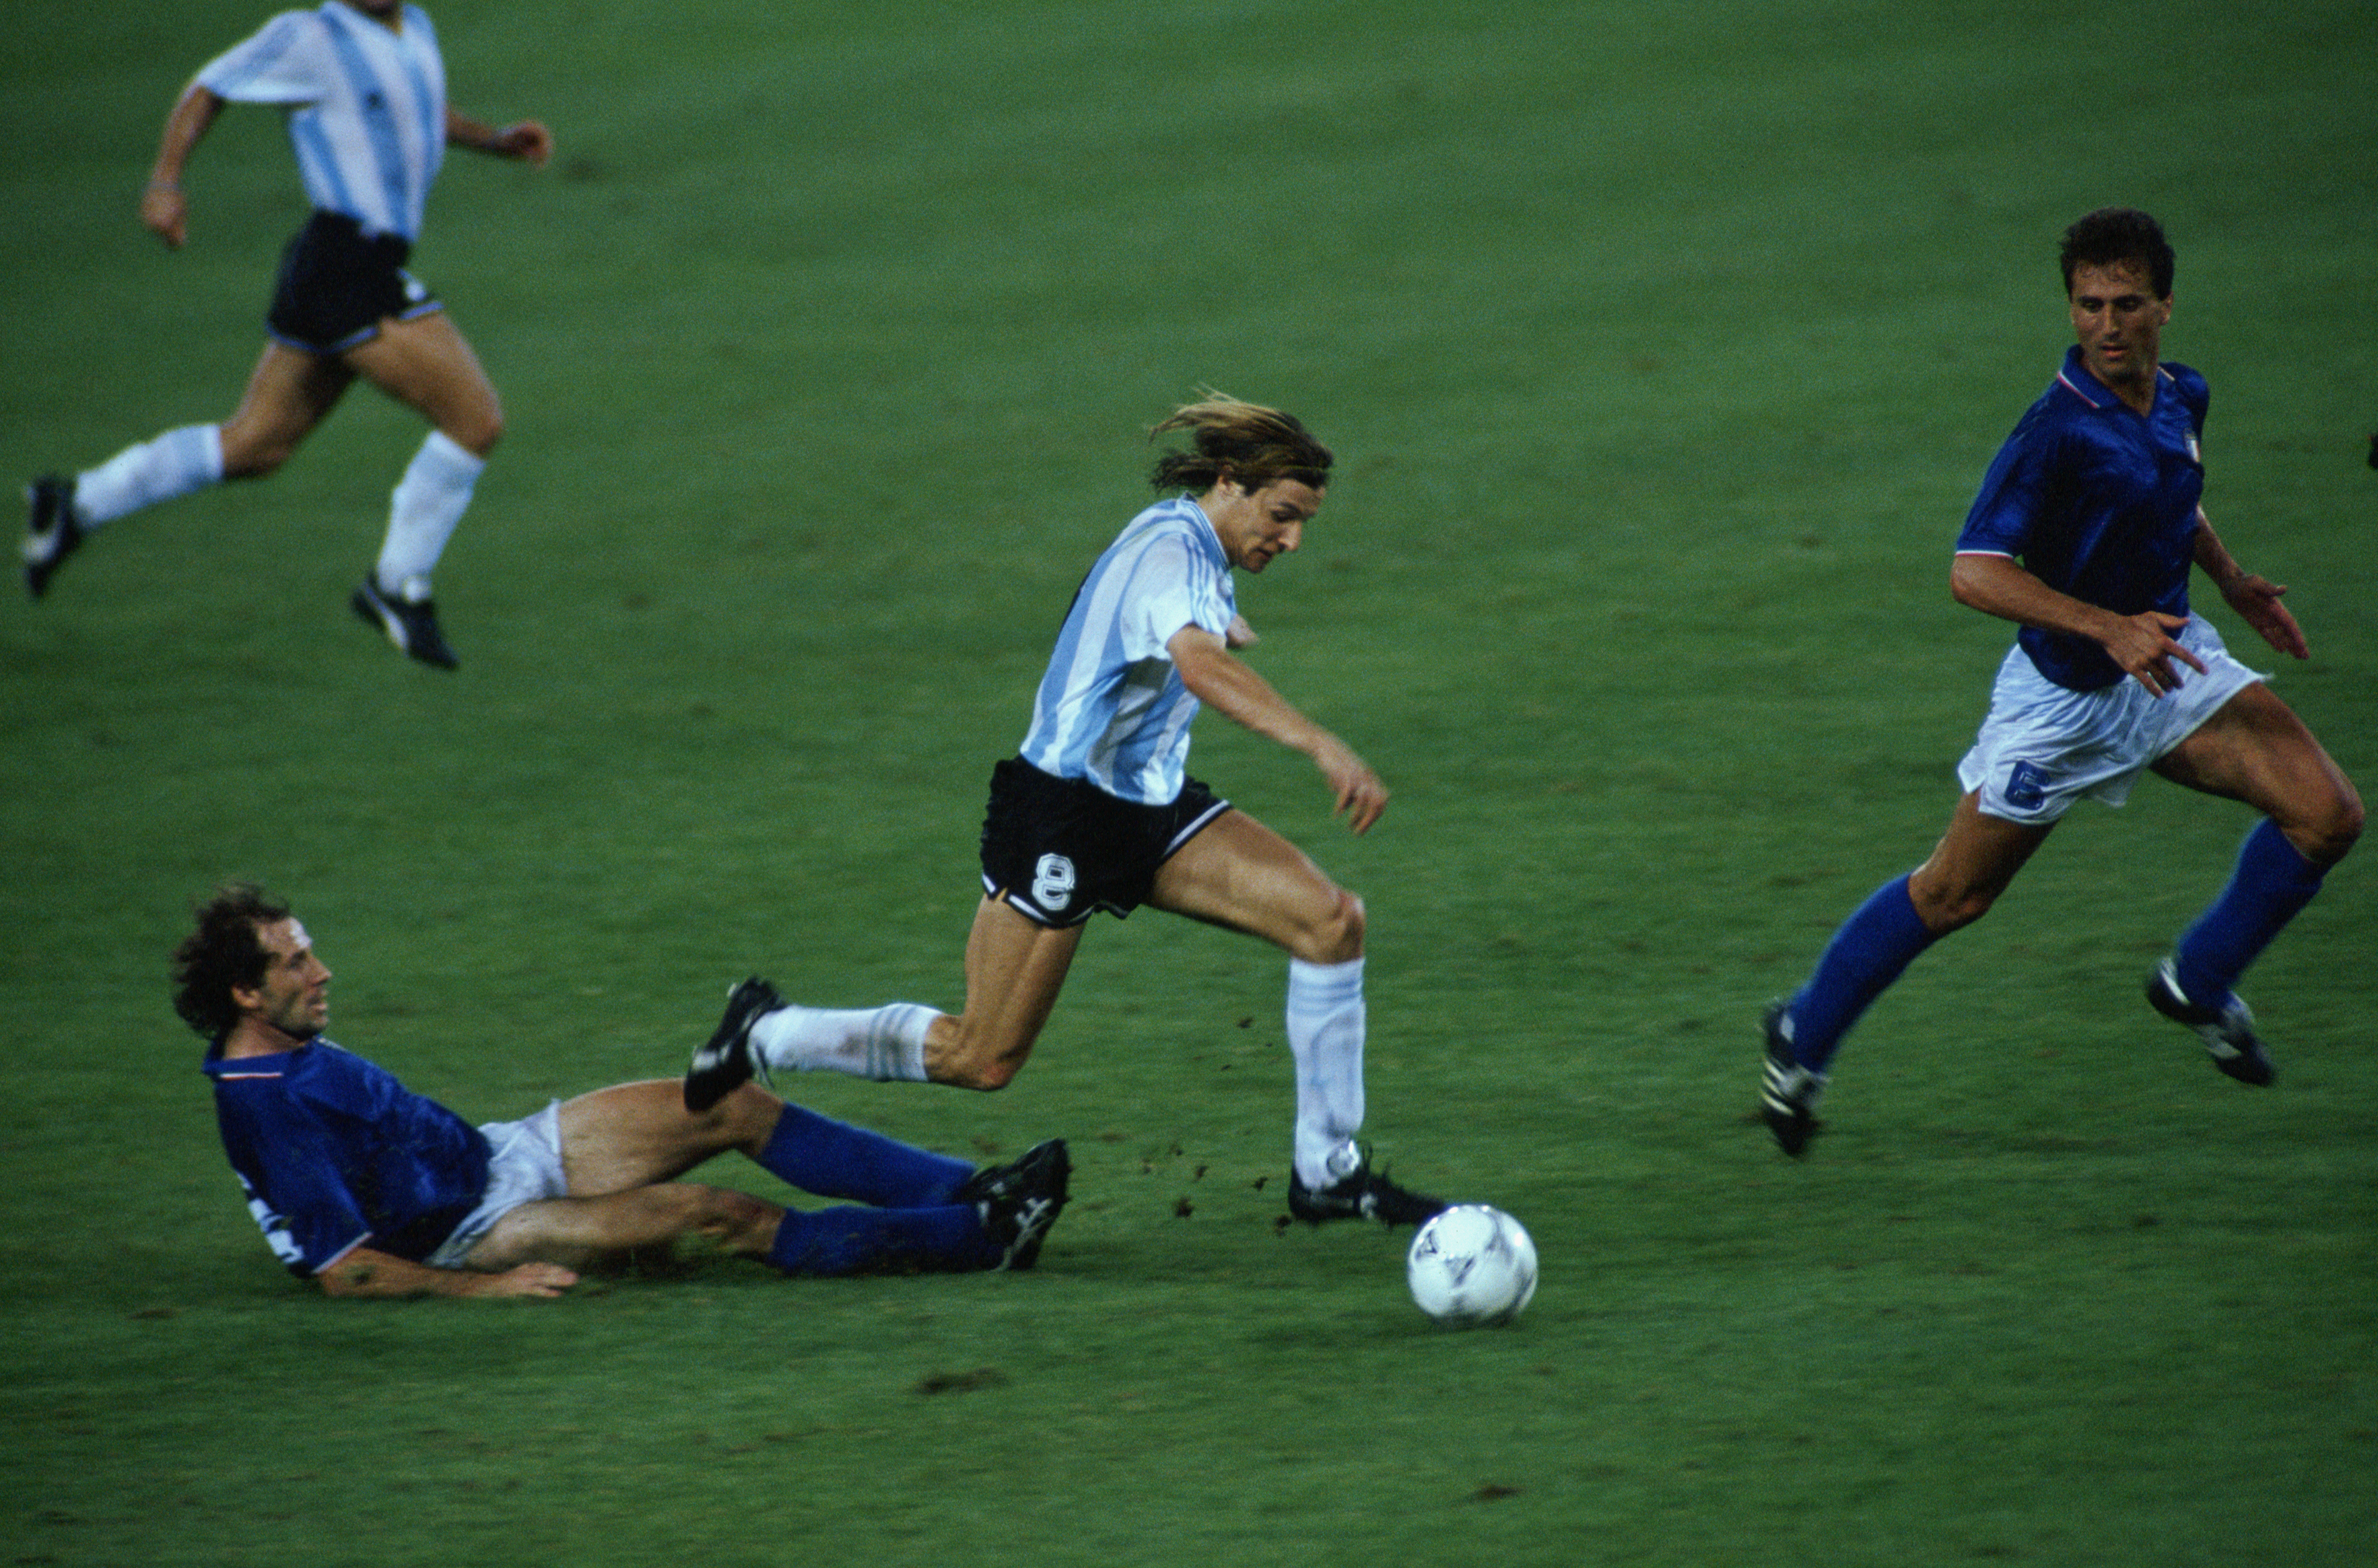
(374, 1190)
(1098, 814)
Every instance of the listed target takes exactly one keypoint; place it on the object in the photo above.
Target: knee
(986, 1073)
(246, 456)
(744, 1119)
(1336, 937)
(722, 1214)
(2329, 836)
(1945, 908)
(477, 430)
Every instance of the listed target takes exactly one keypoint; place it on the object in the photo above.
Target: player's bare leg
(1973, 864)
(575, 1232)
(1239, 874)
(632, 1135)
(2256, 751)
(1014, 969)
(427, 365)
(1242, 875)
(288, 394)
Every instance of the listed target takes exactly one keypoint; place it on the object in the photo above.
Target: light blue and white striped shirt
(1111, 709)
(366, 107)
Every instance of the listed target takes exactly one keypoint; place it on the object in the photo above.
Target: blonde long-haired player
(1098, 812)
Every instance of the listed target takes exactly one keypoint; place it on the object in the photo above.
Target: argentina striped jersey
(1111, 709)
(366, 107)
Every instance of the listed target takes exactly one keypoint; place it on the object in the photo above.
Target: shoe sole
(718, 1058)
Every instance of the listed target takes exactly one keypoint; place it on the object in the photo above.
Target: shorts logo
(1052, 882)
(2027, 787)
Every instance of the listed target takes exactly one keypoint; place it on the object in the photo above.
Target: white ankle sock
(157, 470)
(422, 509)
(1325, 1034)
(886, 1044)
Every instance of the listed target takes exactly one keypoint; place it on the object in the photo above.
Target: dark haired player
(2084, 533)
(364, 88)
(1096, 813)
(374, 1190)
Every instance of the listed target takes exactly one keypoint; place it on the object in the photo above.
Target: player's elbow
(1965, 581)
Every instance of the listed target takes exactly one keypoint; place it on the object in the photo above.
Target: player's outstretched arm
(366, 1272)
(526, 140)
(1227, 684)
(164, 210)
(2256, 599)
(2144, 645)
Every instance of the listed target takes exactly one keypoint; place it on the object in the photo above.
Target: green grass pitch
(1663, 346)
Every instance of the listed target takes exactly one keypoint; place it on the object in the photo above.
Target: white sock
(886, 1044)
(422, 509)
(1325, 1034)
(158, 470)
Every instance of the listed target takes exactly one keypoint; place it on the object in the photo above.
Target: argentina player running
(364, 88)
(2084, 533)
(1098, 813)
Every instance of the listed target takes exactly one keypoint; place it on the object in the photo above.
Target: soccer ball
(1472, 1266)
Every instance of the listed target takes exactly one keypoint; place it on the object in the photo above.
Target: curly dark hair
(222, 952)
(2119, 233)
(1243, 441)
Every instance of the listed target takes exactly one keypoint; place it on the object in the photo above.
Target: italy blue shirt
(334, 1153)
(2099, 502)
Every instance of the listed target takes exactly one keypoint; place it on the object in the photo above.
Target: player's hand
(1361, 794)
(530, 1279)
(529, 141)
(166, 212)
(2256, 600)
(1239, 634)
(2144, 646)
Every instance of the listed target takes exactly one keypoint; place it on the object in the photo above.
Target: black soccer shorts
(337, 284)
(1059, 850)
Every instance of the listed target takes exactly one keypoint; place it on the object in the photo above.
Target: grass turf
(1661, 347)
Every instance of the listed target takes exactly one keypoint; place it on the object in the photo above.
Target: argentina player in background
(1096, 813)
(365, 90)
(2084, 533)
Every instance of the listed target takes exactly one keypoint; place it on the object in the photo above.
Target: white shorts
(524, 1167)
(2044, 745)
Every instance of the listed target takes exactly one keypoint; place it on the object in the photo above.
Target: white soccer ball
(1472, 1266)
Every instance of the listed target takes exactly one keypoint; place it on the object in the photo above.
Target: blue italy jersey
(1111, 709)
(366, 107)
(335, 1153)
(2099, 502)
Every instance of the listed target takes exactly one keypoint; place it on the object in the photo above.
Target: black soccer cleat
(2227, 1030)
(727, 1062)
(53, 531)
(410, 624)
(1787, 1096)
(1019, 1201)
(1363, 1193)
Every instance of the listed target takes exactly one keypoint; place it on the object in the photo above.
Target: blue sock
(2271, 881)
(856, 1241)
(1865, 956)
(835, 1159)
